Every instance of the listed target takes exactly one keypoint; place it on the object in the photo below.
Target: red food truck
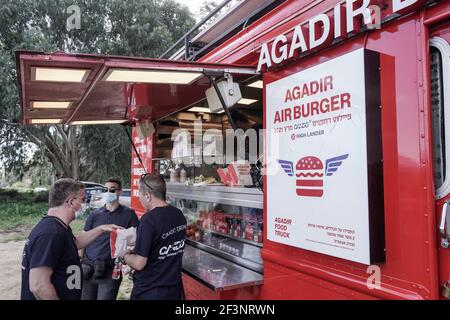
(353, 98)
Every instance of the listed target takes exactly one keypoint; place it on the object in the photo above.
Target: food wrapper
(122, 240)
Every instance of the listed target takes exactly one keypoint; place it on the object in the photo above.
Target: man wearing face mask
(98, 283)
(51, 267)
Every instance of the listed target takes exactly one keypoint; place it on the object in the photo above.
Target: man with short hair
(158, 253)
(51, 267)
(98, 265)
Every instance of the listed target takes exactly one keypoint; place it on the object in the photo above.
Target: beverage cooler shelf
(254, 243)
(234, 196)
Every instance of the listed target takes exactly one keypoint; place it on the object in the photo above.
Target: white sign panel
(317, 155)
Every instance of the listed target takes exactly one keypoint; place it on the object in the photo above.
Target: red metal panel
(244, 47)
(403, 178)
(194, 290)
(442, 29)
(410, 271)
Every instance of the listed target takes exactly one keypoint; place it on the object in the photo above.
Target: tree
(135, 28)
(207, 7)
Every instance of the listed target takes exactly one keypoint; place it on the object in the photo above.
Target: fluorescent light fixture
(247, 101)
(204, 110)
(86, 122)
(50, 104)
(59, 74)
(45, 121)
(257, 84)
(151, 76)
(200, 109)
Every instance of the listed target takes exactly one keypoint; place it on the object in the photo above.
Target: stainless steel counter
(217, 273)
(237, 196)
(244, 254)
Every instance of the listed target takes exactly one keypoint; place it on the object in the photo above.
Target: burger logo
(310, 173)
(309, 177)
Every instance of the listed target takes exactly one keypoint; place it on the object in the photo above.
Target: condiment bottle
(174, 176)
(183, 176)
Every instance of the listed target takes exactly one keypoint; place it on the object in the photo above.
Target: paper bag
(122, 240)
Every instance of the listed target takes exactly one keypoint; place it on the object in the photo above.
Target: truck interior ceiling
(247, 113)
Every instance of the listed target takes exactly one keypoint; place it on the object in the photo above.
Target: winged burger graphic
(310, 173)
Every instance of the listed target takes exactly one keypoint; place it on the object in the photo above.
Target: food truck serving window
(439, 77)
(82, 89)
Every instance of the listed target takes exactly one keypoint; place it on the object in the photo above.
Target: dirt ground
(11, 247)
(10, 260)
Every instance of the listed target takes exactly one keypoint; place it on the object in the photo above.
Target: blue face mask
(111, 198)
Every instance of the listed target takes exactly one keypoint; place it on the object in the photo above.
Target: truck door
(440, 104)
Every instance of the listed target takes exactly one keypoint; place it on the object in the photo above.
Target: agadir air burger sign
(324, 184)
(345, 18)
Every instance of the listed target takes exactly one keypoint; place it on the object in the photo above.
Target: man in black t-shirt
(51, 267)
(158, 253)
(98, 266)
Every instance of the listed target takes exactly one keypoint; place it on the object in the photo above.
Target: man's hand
(84, 239)
(109, 227)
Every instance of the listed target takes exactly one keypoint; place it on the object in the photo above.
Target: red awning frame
(98, 99)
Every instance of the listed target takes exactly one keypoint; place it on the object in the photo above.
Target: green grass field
(20, 212)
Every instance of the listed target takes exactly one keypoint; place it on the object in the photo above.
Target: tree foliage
(116, 27)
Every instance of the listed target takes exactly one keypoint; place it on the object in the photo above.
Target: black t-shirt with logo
(52, 244)
(160, 238)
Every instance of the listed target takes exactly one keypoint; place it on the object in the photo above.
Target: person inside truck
(98, 283)
(242, 121)
(51, 267)
(158, 253)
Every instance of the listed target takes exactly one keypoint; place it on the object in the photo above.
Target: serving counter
(224, 234)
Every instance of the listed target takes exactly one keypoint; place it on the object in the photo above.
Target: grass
(20, 212)
(14, 216)
(125, 289)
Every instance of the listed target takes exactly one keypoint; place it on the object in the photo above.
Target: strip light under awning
(50, 104)
(59, 74)
(247, 101)
(257, 84)
(204, 110)
(151, 76)
(87, 122)
(45, 121)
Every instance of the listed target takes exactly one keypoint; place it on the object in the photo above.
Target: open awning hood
(74, 88)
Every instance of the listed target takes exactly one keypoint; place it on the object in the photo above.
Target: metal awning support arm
(132, 143)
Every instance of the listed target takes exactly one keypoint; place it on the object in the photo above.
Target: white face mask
(80, 211)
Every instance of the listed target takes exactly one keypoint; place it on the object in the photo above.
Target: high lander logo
(309, 173)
